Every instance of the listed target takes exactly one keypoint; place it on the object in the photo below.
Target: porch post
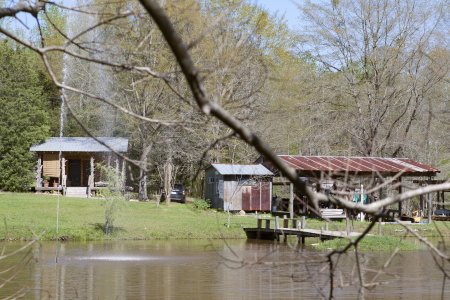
(122, 176)
(91, 177)
(117, 167)
(39, 172)
(61, 169)
(63, 181)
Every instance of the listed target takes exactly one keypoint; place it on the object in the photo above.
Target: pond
(184, 269)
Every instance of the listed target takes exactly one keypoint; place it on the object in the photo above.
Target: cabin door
(74, 172)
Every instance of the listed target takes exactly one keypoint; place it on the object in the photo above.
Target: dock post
(294, 223)
(276, 223)
(259, 225)
(285, 221)
(326, 226)
(303, 222)
(267, 223)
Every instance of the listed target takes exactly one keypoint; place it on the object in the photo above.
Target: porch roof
(82, 144)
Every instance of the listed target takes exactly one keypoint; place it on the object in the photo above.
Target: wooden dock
(285, 227)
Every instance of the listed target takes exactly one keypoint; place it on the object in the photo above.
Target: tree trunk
(142, 196)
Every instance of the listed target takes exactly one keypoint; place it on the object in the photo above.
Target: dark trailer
(239, 187)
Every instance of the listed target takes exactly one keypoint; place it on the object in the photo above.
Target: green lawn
(81, 219)
(373, 243)
(433, 230)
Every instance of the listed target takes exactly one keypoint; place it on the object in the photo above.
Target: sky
(286, 8)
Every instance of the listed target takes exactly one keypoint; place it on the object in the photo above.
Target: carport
(322, 172)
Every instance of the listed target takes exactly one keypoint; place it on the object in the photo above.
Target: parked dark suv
(178, 193)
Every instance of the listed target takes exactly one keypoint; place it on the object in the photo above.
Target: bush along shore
(27, 216)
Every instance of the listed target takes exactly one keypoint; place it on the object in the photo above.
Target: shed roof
(359, 165)
(81, 144)
(234, 169)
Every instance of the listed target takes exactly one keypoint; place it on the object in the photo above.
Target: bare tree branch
(22, 6)
(208, 107)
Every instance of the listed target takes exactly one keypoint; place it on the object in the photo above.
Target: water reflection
(204, 270)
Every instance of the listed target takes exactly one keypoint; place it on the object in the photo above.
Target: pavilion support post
(39, 172)
(380, 196)
(438, 205)
(443, 199)
(421, 204)
(91, 177)
(400, 202)
(291, 200)
(361, 199)
(430, 208)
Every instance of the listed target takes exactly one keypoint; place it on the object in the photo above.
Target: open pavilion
(326, 173)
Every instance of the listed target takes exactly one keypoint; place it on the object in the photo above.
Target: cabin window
(211, 180)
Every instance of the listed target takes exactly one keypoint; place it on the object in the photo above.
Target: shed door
(256, 197)
(265, 196)
(246, 197)
(261, 196)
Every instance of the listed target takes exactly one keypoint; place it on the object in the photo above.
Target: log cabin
(68, 164)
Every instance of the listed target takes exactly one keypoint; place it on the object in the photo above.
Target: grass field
(23, 215)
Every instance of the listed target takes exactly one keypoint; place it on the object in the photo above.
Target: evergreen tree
(25, 116)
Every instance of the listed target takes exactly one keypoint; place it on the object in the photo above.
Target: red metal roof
(338, 164)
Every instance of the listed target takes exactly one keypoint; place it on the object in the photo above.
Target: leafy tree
(25, 114)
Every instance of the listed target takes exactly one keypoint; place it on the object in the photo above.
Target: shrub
(201, 204)
(114, 199)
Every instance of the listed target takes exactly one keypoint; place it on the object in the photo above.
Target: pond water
(237, 269)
